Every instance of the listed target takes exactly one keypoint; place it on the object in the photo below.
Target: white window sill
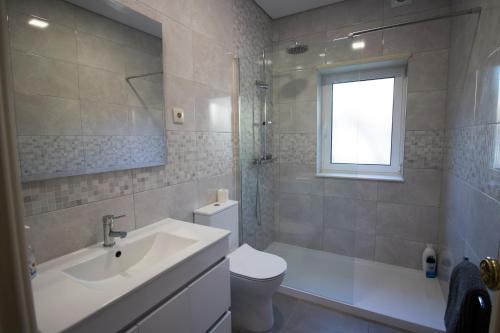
(360, 176)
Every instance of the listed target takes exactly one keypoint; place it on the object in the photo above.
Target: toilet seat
(249, 263)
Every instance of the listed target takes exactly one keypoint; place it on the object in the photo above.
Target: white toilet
(255, 275)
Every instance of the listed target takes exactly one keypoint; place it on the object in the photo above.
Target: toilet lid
(251, 263)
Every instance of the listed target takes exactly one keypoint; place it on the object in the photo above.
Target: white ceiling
(118, 12)
(280, 8)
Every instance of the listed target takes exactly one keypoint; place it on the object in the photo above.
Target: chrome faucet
(109, 233)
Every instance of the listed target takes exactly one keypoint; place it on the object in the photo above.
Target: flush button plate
(178, 115)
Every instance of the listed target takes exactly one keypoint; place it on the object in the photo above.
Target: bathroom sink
(151, 263)
(131, 258)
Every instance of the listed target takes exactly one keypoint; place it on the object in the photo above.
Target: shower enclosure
(325, 228)
(281, 199)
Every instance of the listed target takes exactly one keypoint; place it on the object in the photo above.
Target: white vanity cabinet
(170, 276)
(202, 306)
(171, 317)
(209, 298)
(223, 325)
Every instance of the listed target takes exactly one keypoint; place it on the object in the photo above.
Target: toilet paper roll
(222, 195)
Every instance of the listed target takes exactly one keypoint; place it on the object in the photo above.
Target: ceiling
(118, 12)
(280, 8)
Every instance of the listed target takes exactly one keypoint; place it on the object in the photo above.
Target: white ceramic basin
(154, 259)
(140, 254)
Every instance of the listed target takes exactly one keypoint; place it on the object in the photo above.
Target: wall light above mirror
(88, 87)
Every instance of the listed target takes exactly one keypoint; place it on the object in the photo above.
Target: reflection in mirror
(88, 89)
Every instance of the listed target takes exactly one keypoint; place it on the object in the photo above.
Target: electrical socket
(178, 115)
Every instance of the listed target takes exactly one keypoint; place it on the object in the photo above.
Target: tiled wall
(198, 46)
(253, 29)
(383, 221)
(75, 112)
(389, 222)
(470, 224)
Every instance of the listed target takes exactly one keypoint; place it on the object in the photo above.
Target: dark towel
(469, 305)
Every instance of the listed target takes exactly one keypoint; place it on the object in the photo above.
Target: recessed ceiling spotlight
(358, 45)
(39, 23)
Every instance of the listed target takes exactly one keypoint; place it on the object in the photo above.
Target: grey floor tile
(284, 307)
(292, 315)
(378, 328)
(312, 318)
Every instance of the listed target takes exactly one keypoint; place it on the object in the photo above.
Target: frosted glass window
(362, 122)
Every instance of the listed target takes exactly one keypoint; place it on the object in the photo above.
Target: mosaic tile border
(50, 195)
(48, 156)
(473, 155)
(191, 156)
(424, 149)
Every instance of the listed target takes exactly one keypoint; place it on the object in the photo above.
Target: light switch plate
(400, 3)
(178, 115)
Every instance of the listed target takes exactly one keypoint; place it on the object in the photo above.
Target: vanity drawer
(171, 317)
(210, 297)
(224, 324)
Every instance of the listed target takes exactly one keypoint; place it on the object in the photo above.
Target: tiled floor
(295, 316)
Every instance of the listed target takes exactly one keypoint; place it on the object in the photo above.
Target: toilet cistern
(109, 233)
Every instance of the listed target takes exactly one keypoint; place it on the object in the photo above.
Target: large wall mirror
(88, 87)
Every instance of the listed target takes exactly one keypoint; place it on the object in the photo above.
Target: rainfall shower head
(297, 48)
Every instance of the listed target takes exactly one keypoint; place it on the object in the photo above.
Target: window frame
(354, 73)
